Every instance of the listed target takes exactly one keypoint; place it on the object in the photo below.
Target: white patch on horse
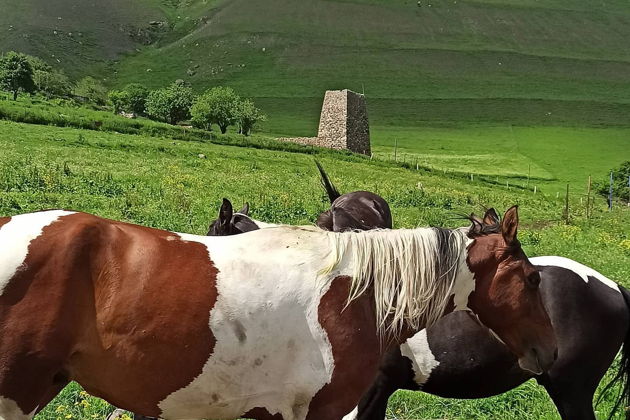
(9, 410)
(580, 269)
(352, 415)
(271, 351)
(423, 361)
(464, 284)
(15, 238)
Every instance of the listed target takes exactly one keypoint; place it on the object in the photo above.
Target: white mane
(411, 271)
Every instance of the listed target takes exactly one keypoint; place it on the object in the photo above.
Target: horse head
(506, 297)
(230, 223)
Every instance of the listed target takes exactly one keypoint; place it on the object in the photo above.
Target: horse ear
(491, 217)
(477, 227)
(225, 213)
(245, 209)
(509, 226)
(474, 217)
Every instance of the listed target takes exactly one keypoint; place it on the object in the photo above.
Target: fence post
(610, 193)
(395, 150)
(588, 198)
(529, 173)
(565, 214)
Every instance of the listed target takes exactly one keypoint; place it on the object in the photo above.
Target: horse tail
(622, 376)
(332, 192)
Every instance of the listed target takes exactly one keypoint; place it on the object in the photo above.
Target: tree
(171, 104)
(92, 90)
(52, 83)
(218, 105)
(16, 73)
(248, 116)
(132, 98)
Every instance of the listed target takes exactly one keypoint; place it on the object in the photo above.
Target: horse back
(579, 304)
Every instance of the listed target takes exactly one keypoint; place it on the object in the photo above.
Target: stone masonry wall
(358, 126)
(343, 123)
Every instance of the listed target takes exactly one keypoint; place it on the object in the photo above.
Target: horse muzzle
(538, 361)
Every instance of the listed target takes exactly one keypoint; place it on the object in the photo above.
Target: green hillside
(529, 62)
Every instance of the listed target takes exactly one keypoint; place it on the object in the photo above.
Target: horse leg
(572, 403)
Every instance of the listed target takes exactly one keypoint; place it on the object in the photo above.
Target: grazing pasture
(165, 183)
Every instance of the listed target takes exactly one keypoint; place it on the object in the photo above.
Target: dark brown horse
(283, 323)
(358, 210)
(458, 358)
(230, 223)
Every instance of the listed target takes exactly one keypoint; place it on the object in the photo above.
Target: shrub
(132, 98)
(171, 104)
(219, 105)
(52, 83)
(16, 73)
(92, 90)
(248, 116)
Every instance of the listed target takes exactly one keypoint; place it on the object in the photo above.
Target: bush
(132, 99)
(171, 104)
(219, 105)
(248, 116)
(16, 73)
(621, 189)
(52, 83)
(92, 90)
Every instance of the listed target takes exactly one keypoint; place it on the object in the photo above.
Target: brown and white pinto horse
(281, 323)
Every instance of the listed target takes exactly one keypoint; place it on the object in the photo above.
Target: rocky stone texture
(343, 123)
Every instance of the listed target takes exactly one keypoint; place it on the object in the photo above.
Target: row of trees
(28, 74)
(219, 106)
(173, 104)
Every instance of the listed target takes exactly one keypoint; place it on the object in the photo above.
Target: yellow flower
(85, 403)
(60, 408)
(68, 416)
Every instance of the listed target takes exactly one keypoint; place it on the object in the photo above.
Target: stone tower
(343, 123)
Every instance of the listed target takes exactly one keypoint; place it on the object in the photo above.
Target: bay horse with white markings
(281, 323)
(458, 358)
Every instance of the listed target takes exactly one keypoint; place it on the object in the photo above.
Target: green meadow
(164, 183)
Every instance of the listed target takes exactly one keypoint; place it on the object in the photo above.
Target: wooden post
(535, 189)
(396, 150)
(565, 214)
(471, 178)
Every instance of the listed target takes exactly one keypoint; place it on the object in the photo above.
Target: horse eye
(533, 279)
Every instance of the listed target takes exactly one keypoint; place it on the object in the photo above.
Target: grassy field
(164, 183)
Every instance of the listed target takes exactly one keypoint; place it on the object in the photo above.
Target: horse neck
(412, 273)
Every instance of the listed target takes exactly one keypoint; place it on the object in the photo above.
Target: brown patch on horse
(356, 350)
(4, 221)
(121, 309)
(260, 413)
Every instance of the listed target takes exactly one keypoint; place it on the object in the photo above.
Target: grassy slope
(163, 183)
(288, 51)
(87, 32)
